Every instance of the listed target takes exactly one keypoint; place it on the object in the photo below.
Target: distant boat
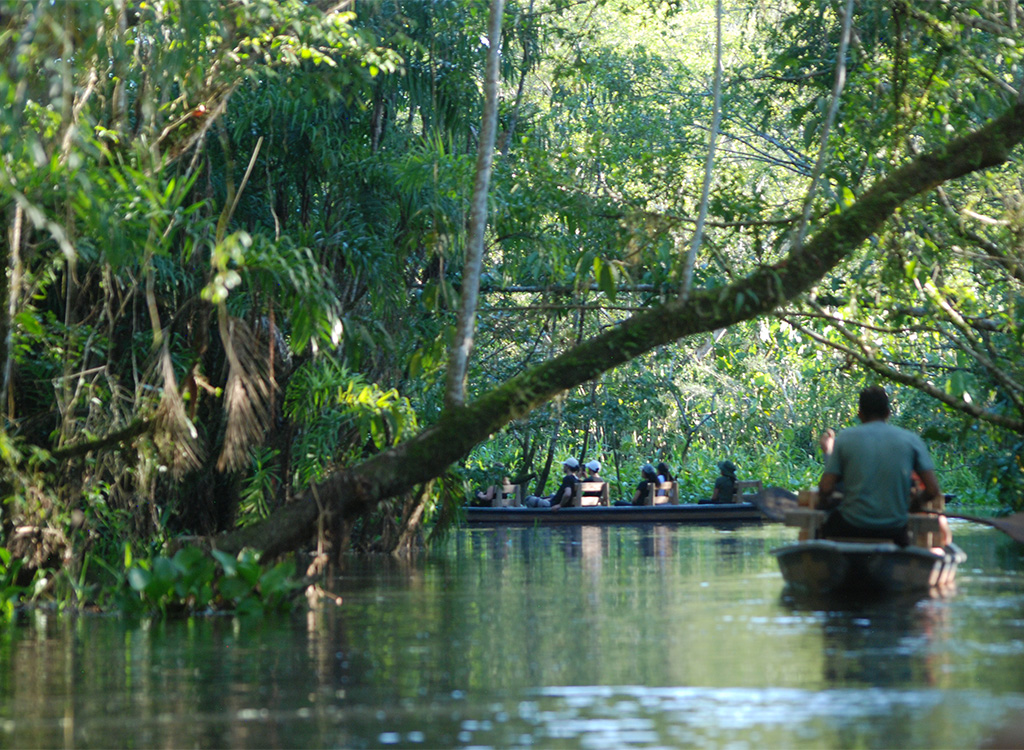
(591, 504)
(822, 566)
(703, 513)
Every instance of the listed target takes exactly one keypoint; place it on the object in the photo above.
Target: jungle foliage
(235, 232)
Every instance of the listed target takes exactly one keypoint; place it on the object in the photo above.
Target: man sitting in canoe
(875, 461)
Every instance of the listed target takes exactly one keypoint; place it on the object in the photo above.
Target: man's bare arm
(931, 487)
(826, 486)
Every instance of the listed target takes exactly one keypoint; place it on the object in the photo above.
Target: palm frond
(247, 394)
(174, 435)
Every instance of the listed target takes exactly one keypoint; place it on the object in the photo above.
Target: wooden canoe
(704, 513)
(823, 566)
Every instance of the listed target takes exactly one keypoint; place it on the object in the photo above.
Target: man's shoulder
(870, 432)
(900, 432)
(866, 429)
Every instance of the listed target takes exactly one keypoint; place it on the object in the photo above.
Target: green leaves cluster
(192, 582)
(13, 593)
(338, 416)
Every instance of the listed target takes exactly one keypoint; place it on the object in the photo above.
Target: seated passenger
(649, 476)
(564, 493)
(725, 484)
(664, 473)
(485, 497)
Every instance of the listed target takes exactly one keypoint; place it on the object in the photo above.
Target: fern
(338, 415)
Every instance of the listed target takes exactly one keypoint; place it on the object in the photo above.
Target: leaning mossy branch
(132, 431)
(356, 491)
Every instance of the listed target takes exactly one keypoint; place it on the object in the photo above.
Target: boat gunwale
(861, 548)
(856, 555)
(682, 513)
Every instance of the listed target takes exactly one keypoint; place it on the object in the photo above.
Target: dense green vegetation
(236, 232)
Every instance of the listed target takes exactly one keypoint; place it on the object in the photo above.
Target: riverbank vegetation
(285, 279)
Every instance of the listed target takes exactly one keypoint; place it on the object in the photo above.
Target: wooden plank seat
(589, 494)
(744, 497)
(925, 529)
(664, 493)
(807, 520)
(507, 495)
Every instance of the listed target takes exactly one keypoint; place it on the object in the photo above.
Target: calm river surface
(625, 637)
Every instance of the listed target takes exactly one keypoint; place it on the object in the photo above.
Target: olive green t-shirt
(874, 460)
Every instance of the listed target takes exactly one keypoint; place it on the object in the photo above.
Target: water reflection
(892, 641)
(594, 637)
(657, 543)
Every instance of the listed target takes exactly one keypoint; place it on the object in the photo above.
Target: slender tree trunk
(549, 459)
(412, 514)
(11, 282)
(716, 119)
(462, 346)
(513, 120)
(837, 90)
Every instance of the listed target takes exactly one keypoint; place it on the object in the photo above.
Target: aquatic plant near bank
(192, 582)
(189, 582)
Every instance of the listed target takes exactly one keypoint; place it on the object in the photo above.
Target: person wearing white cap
(565, 490)
(593, 471)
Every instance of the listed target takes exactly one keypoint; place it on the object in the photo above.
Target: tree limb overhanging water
(355, 491)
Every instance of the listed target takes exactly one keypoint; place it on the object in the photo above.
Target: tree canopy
(237, 238)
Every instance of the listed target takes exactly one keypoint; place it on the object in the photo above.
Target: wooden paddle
(775, 501)
(1012, 526)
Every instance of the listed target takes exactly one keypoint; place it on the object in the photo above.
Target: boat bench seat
(924, 528)
(590, 493)
(744, 497)
(507, 495)
(663, 493)
(807, 520)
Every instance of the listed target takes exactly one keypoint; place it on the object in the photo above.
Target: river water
(580, 637)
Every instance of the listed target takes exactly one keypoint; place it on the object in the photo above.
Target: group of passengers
(649, 476)
(570, 479)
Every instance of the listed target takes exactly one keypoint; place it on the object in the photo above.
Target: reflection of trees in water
(881, 642)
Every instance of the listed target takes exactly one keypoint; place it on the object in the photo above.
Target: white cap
(594, 465)
(572, 463)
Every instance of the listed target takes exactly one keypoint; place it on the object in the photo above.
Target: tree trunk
(412, 515)
(11, 283)
(709, 161)
(462, 346)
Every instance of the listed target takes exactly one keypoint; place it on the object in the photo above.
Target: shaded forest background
(236, 232)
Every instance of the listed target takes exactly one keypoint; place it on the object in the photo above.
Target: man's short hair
(874, 402)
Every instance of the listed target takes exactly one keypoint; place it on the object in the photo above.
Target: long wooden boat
(704, 513)
(822, 566)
